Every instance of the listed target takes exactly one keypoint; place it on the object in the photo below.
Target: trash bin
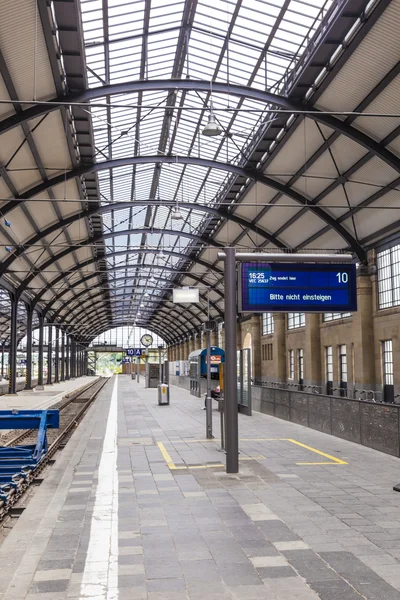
(133, 376)
(163, 393)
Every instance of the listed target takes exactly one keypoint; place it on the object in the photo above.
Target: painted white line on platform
(100, 575)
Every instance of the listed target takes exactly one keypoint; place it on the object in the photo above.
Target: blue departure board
(295, 287)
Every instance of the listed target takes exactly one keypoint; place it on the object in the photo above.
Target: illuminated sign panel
(296, 287)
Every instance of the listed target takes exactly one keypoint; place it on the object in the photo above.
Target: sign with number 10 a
(134, 351)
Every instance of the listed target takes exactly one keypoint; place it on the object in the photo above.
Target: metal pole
(28, 373)
(231, 408)
(138, 369)
(67, 358)
(49, 355)
(12, 355)
(146, 380)
(40, 357)
(2, 361)
(57, 353)
(159, 370)
(73, 358)
(62, 356)
(209, 434)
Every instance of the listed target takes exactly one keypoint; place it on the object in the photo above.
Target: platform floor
(136, 508)
(42, 399)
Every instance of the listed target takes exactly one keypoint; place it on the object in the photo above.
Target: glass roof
(222, 41)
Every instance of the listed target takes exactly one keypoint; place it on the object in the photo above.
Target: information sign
(134, 351)
(297, 287)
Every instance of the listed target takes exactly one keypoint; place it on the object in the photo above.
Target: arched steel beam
(105, 236)
(192, 160)
(155, 300)
(104, 322)
(113, 269)
(130, 87)
(98, 210)
(102, 236)
(165, 311)
(103, 327)
(92, 260)
(175, 326)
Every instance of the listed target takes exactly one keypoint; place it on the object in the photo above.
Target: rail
(24, 475)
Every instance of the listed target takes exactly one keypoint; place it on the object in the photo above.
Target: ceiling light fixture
(212, 128)
(176, 214)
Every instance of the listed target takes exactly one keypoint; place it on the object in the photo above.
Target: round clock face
(146, 339)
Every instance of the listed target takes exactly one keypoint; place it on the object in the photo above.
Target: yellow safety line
(166, 456)
(216, 441)
(334, 460)
(171, 465)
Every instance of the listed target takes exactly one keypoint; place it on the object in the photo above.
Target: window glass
(267, 323)
(291, 364)
(296, 320)
(387, 356)
(388, 265)
(329, 363)
(334, 316)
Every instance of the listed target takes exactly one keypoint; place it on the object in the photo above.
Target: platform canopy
(111, 196)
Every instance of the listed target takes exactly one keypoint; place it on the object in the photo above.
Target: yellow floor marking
(166, 456)
(171, 465)
(217, 440)
(334, 460)
(318, 463)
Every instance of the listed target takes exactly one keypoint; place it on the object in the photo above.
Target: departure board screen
(295, 287)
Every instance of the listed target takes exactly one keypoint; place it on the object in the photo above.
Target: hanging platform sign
(297, 287)
(134, 351)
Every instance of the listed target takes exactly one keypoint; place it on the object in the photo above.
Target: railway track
(71, 408)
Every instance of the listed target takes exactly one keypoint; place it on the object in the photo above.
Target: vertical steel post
(67, 358)
(40, 349)
(12, 355)
(28, 375)
(73, 358)
(49, 355)
(78, 360)
(231, 408)
(62, 356)
(138, 369)
(209, 434)
(57, 357)
(2, 361)
(147, 379)
(160, 368)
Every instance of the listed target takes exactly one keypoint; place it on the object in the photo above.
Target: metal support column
(40, 357)
(67, 358)
(28, 375)
(57, 357)
(12, 356)
(62, 356)
(231, 407)
(209, 434)
(2, 361)
(86, 362)
(49, 355)
(73, 358)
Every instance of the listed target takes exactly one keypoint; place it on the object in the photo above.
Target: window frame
(267, 323)
(296, 320)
